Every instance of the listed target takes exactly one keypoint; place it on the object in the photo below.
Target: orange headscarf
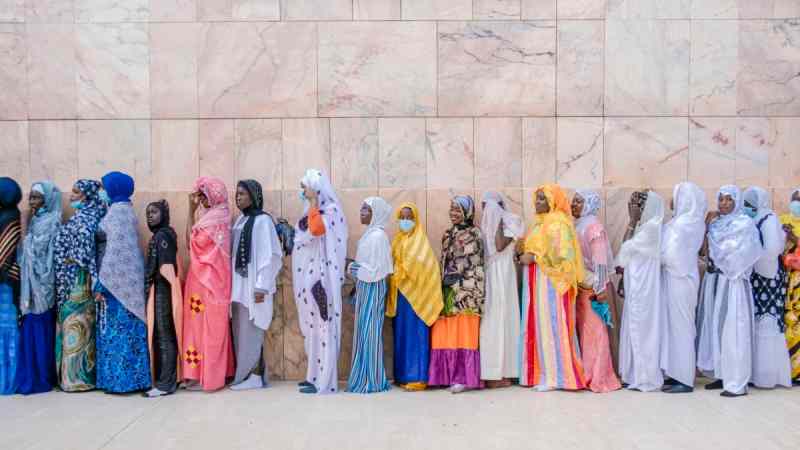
(553, 241)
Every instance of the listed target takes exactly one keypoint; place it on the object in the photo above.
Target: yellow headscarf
(416, 272)
(554, 242)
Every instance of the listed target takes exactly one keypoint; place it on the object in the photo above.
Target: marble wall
(411, 99)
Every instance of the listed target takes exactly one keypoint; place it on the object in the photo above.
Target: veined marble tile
(649, 9)
(259, 151)
(769, 9)
(12, 11)
(175, 171)
(256, 10)
(306, 145)
(15, 152)
(113, 71)
(317, 9)
(13, 56)
(402, 153)
(354, 152)
(784, 156)
(712, 151)
(645, 152)
(437, 9)
(498, 155)
(769, 64)
(715, 61)
(253, 70)
(52, 87)
(294, 361)
(450, 153)
(123, 145)
(273, 341)
(173, 11)
(397, 197)
(538, 9)
(214, 10)
(766, 152)
(216, 150)
(49, 11)
(173, 69)
(647, 67)
(486, 68)
(538, 151)
(580, 152)
(376, 9)
(496, 9)
(97, 11)
(377, 69)
(53, 150)
(581, 9)
(715, 9)
(580, 60)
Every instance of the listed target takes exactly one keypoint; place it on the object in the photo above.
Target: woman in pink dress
(207, 351)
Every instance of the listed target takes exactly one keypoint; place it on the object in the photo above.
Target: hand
(527, 259)
(259, 297)
(602, 297)
(98, 297)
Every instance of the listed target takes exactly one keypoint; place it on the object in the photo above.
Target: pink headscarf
(218, 215)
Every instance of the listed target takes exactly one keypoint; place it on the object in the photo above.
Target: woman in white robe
(318, 265)
(499, 336)
(680, 282)
(771, 363)
(725, 346)
(256, 261)
(640, 257)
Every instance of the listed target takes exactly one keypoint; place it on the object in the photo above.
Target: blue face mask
(406, 225)
(302, 196)
(794, 207)
(104, 196)
(752, 212)
(77, 204)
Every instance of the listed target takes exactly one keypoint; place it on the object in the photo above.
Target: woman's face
(541, 203)
(153, 215)
(35, 200)
(76, 195)
(406, 214)
(726, 204)
(456, 214)
(366, 214)
(577, 206)
(243, 200)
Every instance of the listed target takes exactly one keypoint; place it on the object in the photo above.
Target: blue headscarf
(119, 186)
(467, 205)
(75, 240)
(38, 249)
(10, 196)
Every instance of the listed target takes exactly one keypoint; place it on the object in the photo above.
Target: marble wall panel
(649, 9)
(317, 9)
(450, 153)
(715, 9)
(214, 10)
(175, 170)
(437, 9)
(13, 160)
(256, 10)
(12, 11)
(13, 59)
(715, 62)
(376, 9)
(259, 154)
(173, 10)
(306, 144)
(538, 151)
(49, 11)
(498, 153)
(124, 145)
(768, 9)
(784, 155)
(53, 146)
(712, 151)
(51, 65)
(580, 62)
(496, 9)
(216, 150)
(579, 161)
(402, 157)
(538, 9)
(354, 152)
(98, 11)
(581, 9)
(173, 69)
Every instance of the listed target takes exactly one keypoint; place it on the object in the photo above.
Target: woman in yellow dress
(791, 224)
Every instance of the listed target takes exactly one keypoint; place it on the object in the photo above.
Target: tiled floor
(279, 418)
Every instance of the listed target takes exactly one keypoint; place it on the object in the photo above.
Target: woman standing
(164, 303)
(123, 364)
(372, 265)
(771, 363)
(726, 305)
(256, 263)
(499, 340)
(318, 265)
(76, 272)
(36, 372)
(10, 233)
(455, 358)
(415, 299)
(596, 304)
(680, 282)
(207, 351)
(791, 258)
(550, 358)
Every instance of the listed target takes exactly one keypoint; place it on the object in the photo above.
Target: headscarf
(75, 242)
(495, 210)
(119, 186)
(646, 240)
(789, 218)
(467, 205)
(772, 236)
(554, 242)
(37, 293)
(591, 233)
(207, 260)
(374, 253)
(163, 246)
(255, 209)
(122, 265)
(733, 242)
(10, 196)
(10, 232)
(218, 214)
(683, 235)
(416, 271)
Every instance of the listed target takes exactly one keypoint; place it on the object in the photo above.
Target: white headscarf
(646, 240)
(374, 254)
(771, 231)
(683, 235)
(733, 242)
(494, 210)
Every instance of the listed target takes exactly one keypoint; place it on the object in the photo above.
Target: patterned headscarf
(591, 202)
(467, 205)
(37, 293)
(255, 209)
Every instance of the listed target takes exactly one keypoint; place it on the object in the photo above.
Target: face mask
(752, 212)
(406, 225)
(794, 207)
(77, 204)
(104, 196)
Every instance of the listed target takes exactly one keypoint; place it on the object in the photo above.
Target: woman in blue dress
(10, 232)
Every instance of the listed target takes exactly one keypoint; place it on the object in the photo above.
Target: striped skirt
(367, 373)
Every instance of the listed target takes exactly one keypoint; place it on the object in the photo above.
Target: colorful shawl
(38, 293)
